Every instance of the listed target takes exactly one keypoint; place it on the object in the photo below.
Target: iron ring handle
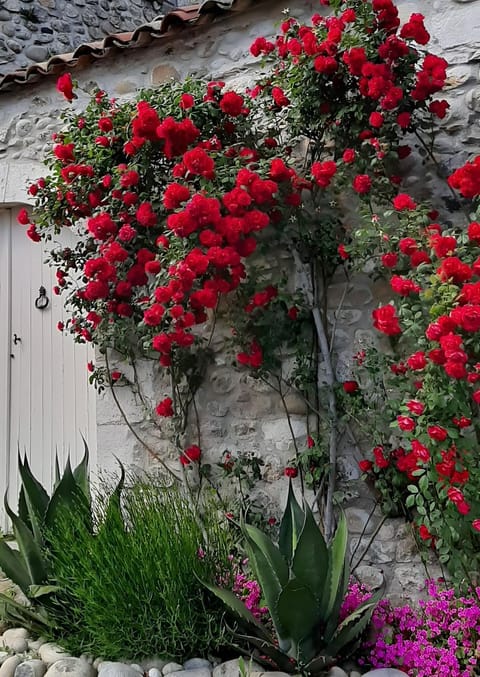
(42, 301)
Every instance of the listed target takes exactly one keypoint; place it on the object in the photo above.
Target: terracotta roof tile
(144, 34)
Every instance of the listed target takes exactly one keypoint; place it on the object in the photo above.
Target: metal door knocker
(42, 301)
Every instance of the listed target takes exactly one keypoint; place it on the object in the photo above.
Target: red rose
(23, 217)
(414, 29)
(474, 232)
(417, 361)
(310, 442)
(424, 533)
(164, 408)
(390, 260)
(343, 252)
(380, 460)
(190, 454)
(362, 184)
(437, 433)
(405, 423)
(385, 320)
(439, 108)
(290, 472)
(476, 524)
(231, 103)
(415, 407)
(350, 387)
(366, 466)
(348, 156)
(402, 202)
(376, 120)
(186, 101)
(65, 86)
(279, 97)
(323, 172)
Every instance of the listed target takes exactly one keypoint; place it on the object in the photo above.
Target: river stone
(154, 662)
(171, 667)
(336, 672)
(354, 673)
(75, 667)
(200, 672)
(51, 653)
(154, 672)
(115, 669)
(33, 668)
(232, 668)
(35, 644)
(385, 672)
(196, 663)
(13, 633)
(18, 644)
(3, 656)
(137, 667)
(9, 666)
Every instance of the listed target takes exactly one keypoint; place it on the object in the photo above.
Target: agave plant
(304, 582)
(27, 566)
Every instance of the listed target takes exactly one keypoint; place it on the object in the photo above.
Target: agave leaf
(281, 659)
(269, 551)
(298, 612)
(36, 499)
(66, 495)
(310, 560)
(35, 591)
(28, 548)
(271, 572)
(23, 509)
(337, 558)
(291, 526)
(57, 470)
(12, 565)
(114, 505)
(351, 627)
(12, 610)
(319, 664)
(239, 608)
(81, 473)
(333, 619)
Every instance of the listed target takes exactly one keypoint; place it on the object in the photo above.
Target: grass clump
(129, 574)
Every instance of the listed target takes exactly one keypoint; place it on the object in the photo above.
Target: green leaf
(270, 569)
(35, 591)
(28, 548)
(36, 499)
(352, 627)
(238, 607)
(67, 495)
(299, 613)
(13, 567)
(337, 559)
(310, 561)
(291, 525)
(81, 473)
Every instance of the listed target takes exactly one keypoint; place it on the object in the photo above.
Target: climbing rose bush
(171, 194)
(429, 452)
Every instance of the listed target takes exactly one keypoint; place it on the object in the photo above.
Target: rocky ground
(22, 656)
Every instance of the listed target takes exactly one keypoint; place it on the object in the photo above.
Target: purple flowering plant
(440, 637)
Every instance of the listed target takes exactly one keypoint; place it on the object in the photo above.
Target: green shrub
(130, 587)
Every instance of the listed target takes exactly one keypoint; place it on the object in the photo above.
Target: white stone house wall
(237, 412)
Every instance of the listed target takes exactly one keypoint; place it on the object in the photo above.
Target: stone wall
(34, 30)
(236, 411)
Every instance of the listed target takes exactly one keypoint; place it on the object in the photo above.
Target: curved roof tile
(144, 34)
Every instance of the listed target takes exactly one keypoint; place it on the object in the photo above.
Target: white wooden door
(46, 402)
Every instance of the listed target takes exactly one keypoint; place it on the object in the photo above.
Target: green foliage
(28, 566)
(304, 582)
(129, 587)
